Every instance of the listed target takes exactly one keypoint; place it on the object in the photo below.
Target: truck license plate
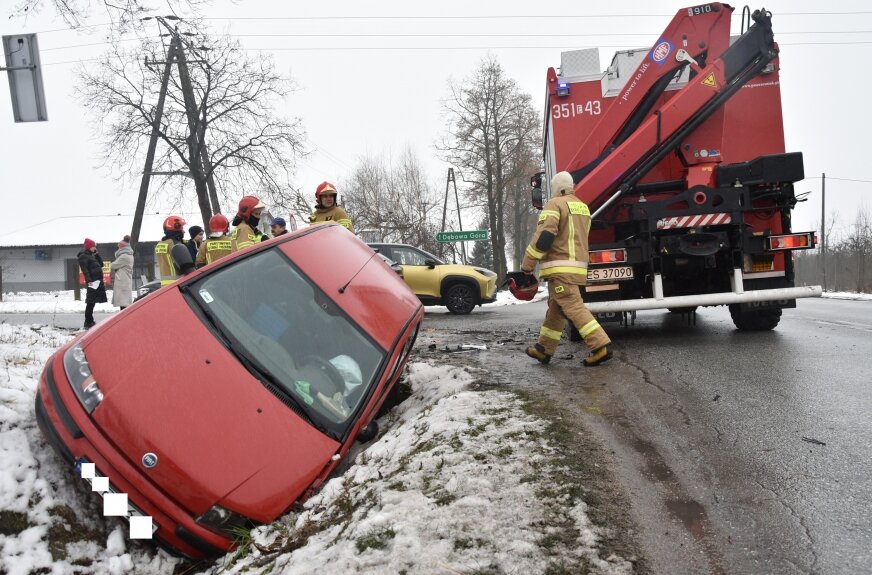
(610, 274)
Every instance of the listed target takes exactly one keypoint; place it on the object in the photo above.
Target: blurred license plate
(610, 274)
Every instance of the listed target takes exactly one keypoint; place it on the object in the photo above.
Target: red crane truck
(678, 150)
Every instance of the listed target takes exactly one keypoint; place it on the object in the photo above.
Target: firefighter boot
(598, 356)
(537, 352)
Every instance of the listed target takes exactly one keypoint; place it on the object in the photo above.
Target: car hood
(172, 389)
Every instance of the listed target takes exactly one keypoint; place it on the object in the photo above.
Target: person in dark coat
(197, 237)
(91, 265)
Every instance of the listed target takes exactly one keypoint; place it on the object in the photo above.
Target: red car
(222, 399)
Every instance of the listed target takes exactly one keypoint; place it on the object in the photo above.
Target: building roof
(103, 229)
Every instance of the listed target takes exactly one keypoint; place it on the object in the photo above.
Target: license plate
(132, 509)
(610, 274)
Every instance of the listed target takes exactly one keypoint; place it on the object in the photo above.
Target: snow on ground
(459, 482)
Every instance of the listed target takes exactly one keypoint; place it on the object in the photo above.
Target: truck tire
(460, 299)
(762, 320)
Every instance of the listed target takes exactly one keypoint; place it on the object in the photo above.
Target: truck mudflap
(725, 298)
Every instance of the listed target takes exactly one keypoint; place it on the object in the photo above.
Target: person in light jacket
(122, 267)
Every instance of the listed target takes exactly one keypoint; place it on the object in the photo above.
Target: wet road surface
(740, 452)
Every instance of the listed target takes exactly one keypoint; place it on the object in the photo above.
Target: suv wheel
(460, 299)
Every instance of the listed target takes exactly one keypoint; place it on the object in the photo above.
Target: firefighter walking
(559, 245)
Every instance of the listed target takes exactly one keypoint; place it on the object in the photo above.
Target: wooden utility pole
(152, 143)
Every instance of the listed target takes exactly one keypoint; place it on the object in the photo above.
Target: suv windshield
(409, 256)
(291, 336)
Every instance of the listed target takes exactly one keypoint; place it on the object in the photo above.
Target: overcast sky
(371, 78)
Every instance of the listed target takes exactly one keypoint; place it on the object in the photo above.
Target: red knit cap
(89, 243)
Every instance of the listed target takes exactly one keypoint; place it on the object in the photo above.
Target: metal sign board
(25, 77)
(467, 236)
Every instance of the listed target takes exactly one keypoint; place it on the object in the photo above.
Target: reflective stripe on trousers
(564, 302)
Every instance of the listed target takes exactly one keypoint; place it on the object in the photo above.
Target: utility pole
(824, 227)
(445, 206)
(459, 220)
(152, 144)
(194, 152)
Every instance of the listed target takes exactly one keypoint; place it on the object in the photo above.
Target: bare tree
(241, 144)
(393, 201)
(122, 14)
(490, 126)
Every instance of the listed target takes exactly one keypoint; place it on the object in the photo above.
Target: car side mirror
(430, 263)
(368, 433)
(536, 190)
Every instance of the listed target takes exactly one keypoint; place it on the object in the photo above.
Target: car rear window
(274, 316)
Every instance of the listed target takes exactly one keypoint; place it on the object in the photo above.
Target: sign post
(467, 236)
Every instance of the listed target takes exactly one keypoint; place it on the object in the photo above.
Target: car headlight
(79, 374)
(225, 522)
(142, 291)
(485, 273)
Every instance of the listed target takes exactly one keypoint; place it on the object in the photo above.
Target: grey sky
(371, 86)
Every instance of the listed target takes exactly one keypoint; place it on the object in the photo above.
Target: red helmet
(174, 224)
(219, 223)
(324, 188)
(247, 205)
(522, 285)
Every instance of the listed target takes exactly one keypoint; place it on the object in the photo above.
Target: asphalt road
(740, 452)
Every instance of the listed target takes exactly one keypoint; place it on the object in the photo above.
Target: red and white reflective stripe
(693, 221)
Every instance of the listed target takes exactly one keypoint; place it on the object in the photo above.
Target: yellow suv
(458, 287)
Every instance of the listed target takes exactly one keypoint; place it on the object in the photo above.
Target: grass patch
(13, 522)
(377, 539)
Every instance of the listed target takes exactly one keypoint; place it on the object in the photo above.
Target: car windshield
(409, 256)
(291, 336)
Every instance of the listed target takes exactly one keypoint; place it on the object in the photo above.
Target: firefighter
(218, 244)
(559, 246)
(246, 221)
(174, 233)
(326, 209)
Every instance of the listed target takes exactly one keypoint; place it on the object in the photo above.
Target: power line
(840, 179)
(503, 16)
(453, 48)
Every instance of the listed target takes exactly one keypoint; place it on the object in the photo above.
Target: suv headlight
(79, 374)
(485, 273)
(225, 522)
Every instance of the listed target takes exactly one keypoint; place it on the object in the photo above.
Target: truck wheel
(756, 320)
(460, 299)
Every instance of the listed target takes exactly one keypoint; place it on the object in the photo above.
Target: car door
(422, 279)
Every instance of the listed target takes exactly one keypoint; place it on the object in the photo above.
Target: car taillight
(800, 241)
(608, 256)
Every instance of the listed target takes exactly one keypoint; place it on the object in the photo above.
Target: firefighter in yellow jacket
(560, 247)
(326, 209)
(174, 233)
(218, 244)
(246, 221)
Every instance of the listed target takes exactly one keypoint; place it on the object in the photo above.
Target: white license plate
(610, 274)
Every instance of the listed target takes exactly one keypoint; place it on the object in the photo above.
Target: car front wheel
(460, 299)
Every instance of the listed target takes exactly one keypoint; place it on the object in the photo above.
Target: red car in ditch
(222, 399)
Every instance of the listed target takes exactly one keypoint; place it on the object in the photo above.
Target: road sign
(25, 77)
(467, 236)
